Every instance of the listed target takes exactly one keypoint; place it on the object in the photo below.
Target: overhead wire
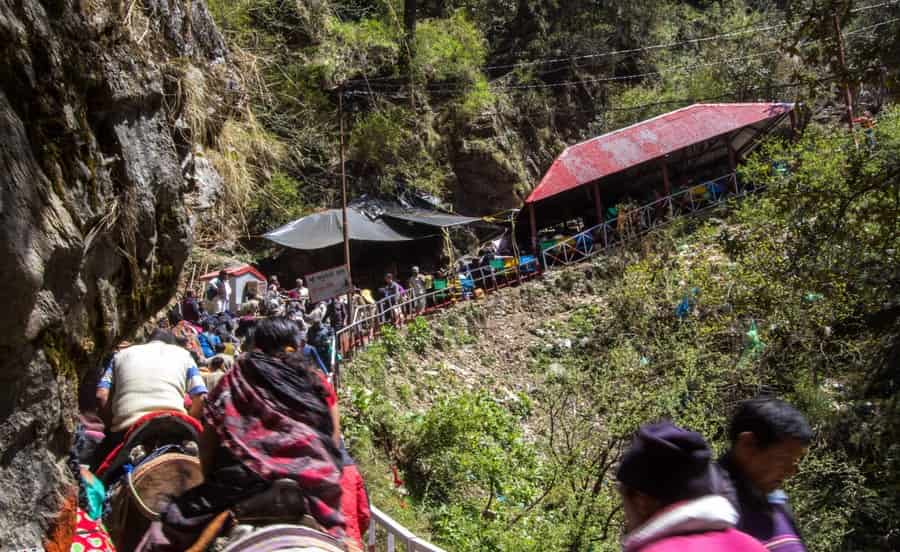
(873, 6)
(608, 79)
(668, 45)
(618, 78)
(730, 34)
(691, 100)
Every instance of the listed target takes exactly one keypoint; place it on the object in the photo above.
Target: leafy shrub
(468, 444)
(369, 45)
(418, 335)
(477, 99)
(392, 340)
(380, 138)
(275, 203)
(451, 48)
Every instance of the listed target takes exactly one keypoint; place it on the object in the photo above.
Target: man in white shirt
(300, 292)
(219, 302)
(148, 378)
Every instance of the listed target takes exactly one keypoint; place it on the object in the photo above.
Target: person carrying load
(142, 379)
(268, 448)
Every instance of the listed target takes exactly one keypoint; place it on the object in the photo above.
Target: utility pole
(344, 226)
(848, 97)
(409, 26)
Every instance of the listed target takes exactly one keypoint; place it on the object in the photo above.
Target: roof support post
(667, 185)
(533, 221)
(598, 205)
(732, 156)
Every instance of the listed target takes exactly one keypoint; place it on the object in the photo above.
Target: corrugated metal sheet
(647, 140)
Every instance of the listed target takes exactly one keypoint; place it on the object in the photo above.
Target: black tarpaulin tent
(428, 218)
(326, 229)
(368, 220)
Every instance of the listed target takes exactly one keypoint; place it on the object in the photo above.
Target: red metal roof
(647, 140)
(236, 271)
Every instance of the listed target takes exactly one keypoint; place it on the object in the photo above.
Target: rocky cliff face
(93, 228)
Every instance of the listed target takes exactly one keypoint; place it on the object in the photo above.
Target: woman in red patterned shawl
(267, 419)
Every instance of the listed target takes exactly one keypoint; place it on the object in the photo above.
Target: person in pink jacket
(669, 493)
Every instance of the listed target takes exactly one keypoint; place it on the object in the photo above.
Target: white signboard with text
(328, 283)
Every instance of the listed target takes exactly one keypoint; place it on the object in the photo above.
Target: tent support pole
(533, 221)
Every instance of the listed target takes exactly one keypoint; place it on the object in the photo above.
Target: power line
(601, 79)
(620, 78)
(692, 100)
(637, 50)
(610, 53)
(872, 7)
(687, 66)
(870, 27)
(639, 75)
(669, 45)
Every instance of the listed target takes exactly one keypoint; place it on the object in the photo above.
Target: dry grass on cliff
(244, 156)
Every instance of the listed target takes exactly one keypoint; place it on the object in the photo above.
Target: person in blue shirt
(208, 340)
(310, 353)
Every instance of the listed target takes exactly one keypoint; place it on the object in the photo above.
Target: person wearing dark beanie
(669, 492)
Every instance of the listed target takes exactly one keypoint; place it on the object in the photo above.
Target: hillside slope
(471, 100)
(505, 417)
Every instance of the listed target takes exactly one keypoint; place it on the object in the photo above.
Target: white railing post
(394, 532)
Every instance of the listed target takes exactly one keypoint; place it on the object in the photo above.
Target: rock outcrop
(93, 228)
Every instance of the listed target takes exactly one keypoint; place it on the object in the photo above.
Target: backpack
(211, 291)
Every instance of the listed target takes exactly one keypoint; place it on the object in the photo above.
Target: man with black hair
(218, 293)
(190, 308)
(392, 294)
(222, 352)
(768, 439)
(147, 378)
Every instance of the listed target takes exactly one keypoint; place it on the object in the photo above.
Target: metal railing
(367, 320)
(384, 532)
(639, 221)
(395, 534)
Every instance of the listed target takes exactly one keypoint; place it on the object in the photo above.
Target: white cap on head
(415, 269)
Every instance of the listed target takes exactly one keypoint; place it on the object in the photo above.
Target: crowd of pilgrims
(269, 412)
